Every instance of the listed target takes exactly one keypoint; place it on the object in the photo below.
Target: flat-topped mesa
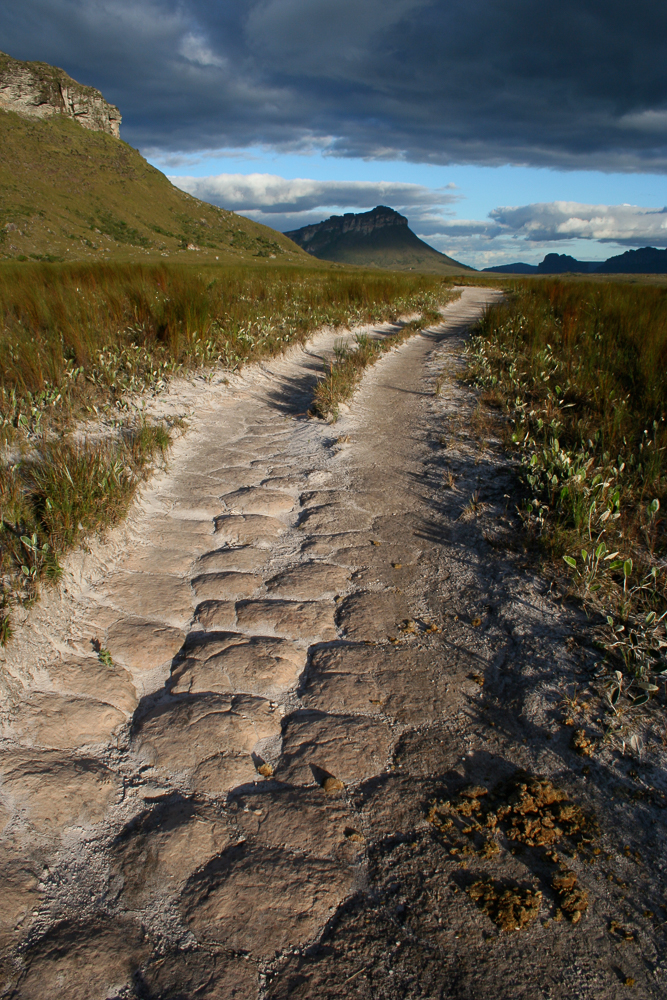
(364, 224)
(37, 90)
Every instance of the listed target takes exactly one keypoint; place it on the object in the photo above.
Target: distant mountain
(379, 238)
(648, 260)
(553, 263)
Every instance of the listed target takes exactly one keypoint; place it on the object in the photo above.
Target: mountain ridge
(378, 238)
(647, 260)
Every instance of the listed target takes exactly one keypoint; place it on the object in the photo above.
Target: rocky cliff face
(363, 224)
(37, 90)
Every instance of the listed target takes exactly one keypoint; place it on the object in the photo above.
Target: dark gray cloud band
(578, 84)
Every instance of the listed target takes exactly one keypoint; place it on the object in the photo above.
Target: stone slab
(160, 849)
(63, 722)
(52, 794)
(178, 735)
(217, 614)
(310, 581)
(350, 748)
(240, 560)
(305, 820)
(258, 501)
(218, 775)
(374, 617)
(264, 900)
(249, 529)
(88, 961)
(333, 519)
(143, 645)
(159, 598)
(291, 619)
(87, 675)
(225, 586)
(258, 665)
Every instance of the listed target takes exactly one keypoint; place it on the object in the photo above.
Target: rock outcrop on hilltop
(37, 90)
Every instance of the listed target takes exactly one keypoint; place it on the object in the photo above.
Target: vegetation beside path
(82, 345)
(580, 372)
(344, 371)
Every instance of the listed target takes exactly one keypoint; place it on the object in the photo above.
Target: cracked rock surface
(308, 767)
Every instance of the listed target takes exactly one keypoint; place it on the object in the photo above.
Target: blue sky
(478, 190)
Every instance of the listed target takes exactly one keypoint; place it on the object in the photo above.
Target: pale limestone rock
(291, 619)
(240, 560)
(264, 900)
(89, 961)
(373, 617)
(177, 736)
(310, 581)
(218, 775)
(350, 748)
(142, 645)
(407, 684)
(51, 793)
(87, 675)
(258, 501)
(161, 849)
(225, 586)
(248, 529)
(64, 723)
(19, 896)
(257, 665)
(159, 598)
(333, 519)
(37, 90)
(200, 974)
(305, 820)
(153, 559)
(217, 614)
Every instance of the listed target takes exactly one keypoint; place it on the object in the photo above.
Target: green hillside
(69, 193)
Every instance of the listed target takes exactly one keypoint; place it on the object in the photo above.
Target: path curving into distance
(304, 624)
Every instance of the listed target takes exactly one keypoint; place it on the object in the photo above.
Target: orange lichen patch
(573, 900)
(538, 814)
(509, 908)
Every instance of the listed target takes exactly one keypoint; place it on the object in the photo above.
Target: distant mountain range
(379, 238)
(648, 260)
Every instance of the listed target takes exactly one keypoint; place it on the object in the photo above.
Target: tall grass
(581, 370)
(67, 329)
(344, 372)
(82, 340)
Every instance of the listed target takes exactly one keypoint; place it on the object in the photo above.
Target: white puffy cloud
(271, 195)
(627, 225)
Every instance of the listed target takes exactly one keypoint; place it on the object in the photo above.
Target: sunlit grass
(81, 342)
(581, 369)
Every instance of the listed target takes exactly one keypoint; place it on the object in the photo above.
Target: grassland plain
(82, 344)
(578, 369)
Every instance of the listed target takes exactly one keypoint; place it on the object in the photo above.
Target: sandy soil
(332, 746)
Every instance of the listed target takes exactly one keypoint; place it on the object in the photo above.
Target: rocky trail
(296, 729)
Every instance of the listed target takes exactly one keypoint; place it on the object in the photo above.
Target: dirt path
(314, 633)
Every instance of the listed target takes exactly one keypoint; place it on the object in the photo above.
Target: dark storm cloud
(573, 84)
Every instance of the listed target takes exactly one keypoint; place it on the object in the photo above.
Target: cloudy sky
(502, 130)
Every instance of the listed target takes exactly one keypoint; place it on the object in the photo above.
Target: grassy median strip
(345, 370)
(580, 371)
(81, 346)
